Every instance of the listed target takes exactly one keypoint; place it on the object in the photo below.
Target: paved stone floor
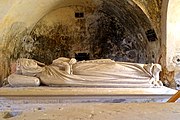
(93, 111)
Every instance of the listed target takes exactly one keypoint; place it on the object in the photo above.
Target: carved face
(28, 66)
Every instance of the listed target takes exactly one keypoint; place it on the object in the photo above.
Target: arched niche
(107, 29)
(124, 40)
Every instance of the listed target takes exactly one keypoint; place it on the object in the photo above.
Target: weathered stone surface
(104, 32)
(94, 111)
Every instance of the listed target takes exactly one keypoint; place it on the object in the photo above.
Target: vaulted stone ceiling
(45, 30)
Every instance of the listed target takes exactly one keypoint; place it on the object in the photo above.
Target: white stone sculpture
(100, 72)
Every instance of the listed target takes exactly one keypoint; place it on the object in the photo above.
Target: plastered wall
(173, 41)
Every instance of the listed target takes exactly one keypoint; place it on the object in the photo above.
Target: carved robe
(102, 72)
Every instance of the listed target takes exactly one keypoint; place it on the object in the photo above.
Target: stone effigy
(69, 72)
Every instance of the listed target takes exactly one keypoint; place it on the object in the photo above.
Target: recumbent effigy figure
(69, 72)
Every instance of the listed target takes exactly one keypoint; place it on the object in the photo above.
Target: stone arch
(170, 50)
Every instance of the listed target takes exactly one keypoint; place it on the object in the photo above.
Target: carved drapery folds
(100, 72)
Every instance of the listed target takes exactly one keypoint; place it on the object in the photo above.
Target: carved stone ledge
(83, 91)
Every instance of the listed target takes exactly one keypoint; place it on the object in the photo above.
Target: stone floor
(94, 111)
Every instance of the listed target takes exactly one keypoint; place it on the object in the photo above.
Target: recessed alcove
(107, 29)
(136, 31)
(88, 30)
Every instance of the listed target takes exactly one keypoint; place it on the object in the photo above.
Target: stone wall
(153, 9)
(113, 30)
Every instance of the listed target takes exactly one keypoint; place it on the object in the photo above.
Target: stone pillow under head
(16, 80)
(28, 67)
